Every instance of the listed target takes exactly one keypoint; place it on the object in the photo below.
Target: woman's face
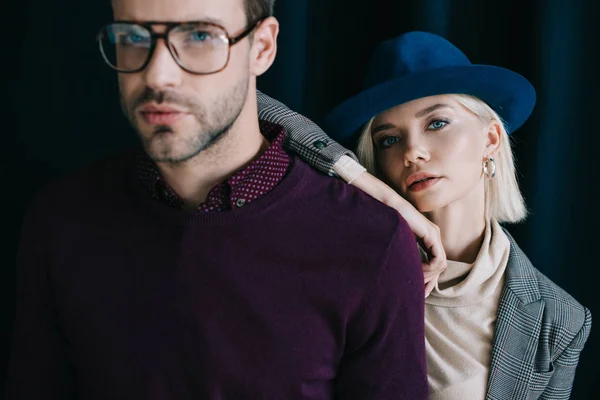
(431, 150)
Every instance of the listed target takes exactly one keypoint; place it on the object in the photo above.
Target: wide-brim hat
(421, 64)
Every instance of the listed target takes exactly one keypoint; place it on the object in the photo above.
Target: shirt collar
(250, 183)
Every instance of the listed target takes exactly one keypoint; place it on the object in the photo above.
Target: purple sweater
(314, 291)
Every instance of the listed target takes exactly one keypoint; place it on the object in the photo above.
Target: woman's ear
(493, 138)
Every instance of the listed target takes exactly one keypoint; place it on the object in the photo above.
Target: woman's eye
(437, 124)
(389, 141)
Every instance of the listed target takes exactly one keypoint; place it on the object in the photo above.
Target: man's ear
(264, 46)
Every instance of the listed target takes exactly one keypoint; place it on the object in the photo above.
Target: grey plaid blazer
(540, 330)
(303, 136)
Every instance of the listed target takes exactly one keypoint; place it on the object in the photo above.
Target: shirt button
(163, 193)
(320, 144)
(240, 202)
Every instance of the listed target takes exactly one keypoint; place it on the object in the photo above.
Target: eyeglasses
(198, 47)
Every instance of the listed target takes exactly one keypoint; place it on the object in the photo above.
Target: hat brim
(508, 93)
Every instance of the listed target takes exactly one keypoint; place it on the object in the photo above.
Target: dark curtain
(63, 109)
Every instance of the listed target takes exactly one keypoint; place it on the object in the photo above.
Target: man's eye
(199, 36)
(133, 38)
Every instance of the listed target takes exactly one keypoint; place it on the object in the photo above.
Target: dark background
(63, 109)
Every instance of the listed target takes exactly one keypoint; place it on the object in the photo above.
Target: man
(213, 265)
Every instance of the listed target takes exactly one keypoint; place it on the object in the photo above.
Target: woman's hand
(428, 234)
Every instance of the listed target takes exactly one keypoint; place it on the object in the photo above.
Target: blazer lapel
(517, 330)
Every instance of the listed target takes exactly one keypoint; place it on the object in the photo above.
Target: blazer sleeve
(303, 136)
(561, 382)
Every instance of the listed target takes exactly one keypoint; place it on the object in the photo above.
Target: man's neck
(194, 179)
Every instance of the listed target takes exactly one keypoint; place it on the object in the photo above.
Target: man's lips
(156, 115)
(153, 107)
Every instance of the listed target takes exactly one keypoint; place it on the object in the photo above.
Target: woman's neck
(462, 227)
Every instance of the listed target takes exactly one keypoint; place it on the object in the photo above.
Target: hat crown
(421, 64)
(411, 53)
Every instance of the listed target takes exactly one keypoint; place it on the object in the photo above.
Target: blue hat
(420, 64)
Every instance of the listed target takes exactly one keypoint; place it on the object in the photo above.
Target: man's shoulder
(353, 229)
(348, 207)
(90, 184)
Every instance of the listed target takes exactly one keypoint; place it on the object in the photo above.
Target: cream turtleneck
(460, 316)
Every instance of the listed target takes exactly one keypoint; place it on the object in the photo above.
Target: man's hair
(256, 9)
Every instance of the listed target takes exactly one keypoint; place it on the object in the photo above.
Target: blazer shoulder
(553, 294)
(531, 284)
(565, 321)
(564, 316)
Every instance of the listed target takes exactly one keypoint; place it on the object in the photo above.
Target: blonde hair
(503, 198)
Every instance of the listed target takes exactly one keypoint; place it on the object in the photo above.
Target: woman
(435, 128)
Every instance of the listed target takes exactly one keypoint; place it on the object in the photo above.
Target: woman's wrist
(348, 169)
